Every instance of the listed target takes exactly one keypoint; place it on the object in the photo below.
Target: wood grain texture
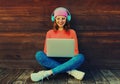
(92, 76)
(110, 77)
(24, 23)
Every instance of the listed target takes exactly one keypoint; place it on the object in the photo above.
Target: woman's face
(60, 20)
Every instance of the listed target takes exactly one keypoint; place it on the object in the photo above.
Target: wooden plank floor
(93, 76)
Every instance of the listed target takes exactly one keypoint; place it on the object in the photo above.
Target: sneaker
(76, 74)
(39, 76)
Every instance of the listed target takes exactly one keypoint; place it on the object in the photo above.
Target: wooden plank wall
(24, 23)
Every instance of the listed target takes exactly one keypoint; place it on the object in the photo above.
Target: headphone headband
(64, 9)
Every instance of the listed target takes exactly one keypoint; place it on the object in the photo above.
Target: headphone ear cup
(69, 17)
(52, 18)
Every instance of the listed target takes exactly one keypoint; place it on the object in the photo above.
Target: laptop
(60, 47)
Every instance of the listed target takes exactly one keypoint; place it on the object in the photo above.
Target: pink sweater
(63, 34)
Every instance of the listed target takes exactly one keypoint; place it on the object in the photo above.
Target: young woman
(61, 29)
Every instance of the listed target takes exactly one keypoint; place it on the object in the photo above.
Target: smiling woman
(60, 30)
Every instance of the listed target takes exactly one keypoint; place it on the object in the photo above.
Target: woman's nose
(60, 20)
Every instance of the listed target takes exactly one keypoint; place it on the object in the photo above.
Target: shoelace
(45, 76)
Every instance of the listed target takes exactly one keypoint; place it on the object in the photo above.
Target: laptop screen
(60, 47)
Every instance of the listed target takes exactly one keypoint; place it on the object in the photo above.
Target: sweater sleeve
(47, 36)
(74, 35)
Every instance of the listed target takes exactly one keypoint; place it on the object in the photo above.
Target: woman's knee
(81, 57)
(39, 55)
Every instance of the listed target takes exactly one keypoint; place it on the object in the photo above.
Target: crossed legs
(57, 67)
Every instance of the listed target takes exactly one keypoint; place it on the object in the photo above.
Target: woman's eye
(57, 18)
(63, 18)
(60, 18)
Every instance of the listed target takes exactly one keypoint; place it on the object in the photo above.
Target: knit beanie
(60, 11)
